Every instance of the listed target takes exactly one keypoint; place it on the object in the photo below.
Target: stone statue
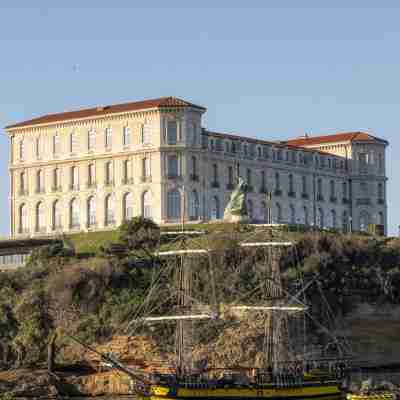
(236, 210)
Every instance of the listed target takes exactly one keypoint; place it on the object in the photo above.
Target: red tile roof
(162, 102)
(339, 137)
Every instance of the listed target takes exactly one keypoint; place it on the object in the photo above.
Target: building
(94, 168)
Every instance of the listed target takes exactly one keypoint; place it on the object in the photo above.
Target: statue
(236, 210)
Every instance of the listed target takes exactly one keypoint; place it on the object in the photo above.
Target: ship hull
(314, 392)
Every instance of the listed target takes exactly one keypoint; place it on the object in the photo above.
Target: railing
(74, 186)
(363, 201)
(127, 181)
(23, 192)
(320, 197)
(39, 190)
(277, 192)
(292, 194)
(194, 177)
(91, 185)
(305, 196)
(145, 179)
(109, 183)
(333, 199)
(174, 176)
(215, 185)
(56, 189)
(345, 200)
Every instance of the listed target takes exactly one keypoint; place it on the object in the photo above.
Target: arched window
(91, 139)
(56, 144)
(364, 221)
(278, 213)
(109, 210)
(128, 206)
(40, 217)
(108, 138)
(173, 204)
(74, 214)
(22, 150)
(250, 209)
(194, 205)
(345, 221)
(333, 219)
(215, 208)
(91, 211)
(126, 136)
(39, 181)
(147, 205)
(320, 218)
(305, 215)
(56, 212)
(292, 214)
(108, 173)
(23, 218)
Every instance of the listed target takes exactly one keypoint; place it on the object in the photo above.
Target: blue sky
(272, 69)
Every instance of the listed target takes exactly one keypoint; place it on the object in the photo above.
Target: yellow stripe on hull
(310, 392)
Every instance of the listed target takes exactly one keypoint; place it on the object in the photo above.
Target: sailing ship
(283, 372)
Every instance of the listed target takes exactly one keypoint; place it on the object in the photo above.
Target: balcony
(23, 192)
(215, 185)
(74, 186)
(277, 192)
(230, 186)
(363, 201)
(333, 199)
(263, 190)
(305, 196)
(320, 197)
(127, 181)
(144, 179)
(291, 194)
(91, 185)
(381, 201)
(194, 177)
(56, 189)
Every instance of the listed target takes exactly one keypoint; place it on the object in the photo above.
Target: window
(215, 208)
(364, 221)
(127, 172)
(381, 218)
(39, 182)
(194, 168)
(277, 181)
(126, 136)
(23, 183)
(91, 140)
(344, 188)
(319, 188)
(73, 143)
(173, 204)
(109, 210)
(56, 179)
(380, 191)
(91, 211)
(74, 178)
(278, 213)
(320, 218)
(333, 219)
(172, 166)
(263, 181)
(215, 173)
(193, 205)
(291, 188)
(264, 211)
(305, 215)
(146, 167)
(172, 136)
(292, 214)
(248, 177)
(23, 218)
(332, 188)
(39, 148)
(57, 222)
(345, 222)
(56, 144)
(108, 173)
(91, 175)
(40, 217)
(147, 205)
(304, 184)
(74, 214)
(250, 209)
(191, 133)
(128, 206)
(108, 138)
(22, 150)
(146, 134)
(230, 176)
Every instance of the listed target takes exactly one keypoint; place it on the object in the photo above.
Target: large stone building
(92, 169)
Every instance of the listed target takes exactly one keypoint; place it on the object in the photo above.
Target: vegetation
(93, 298)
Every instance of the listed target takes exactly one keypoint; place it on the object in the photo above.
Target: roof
(162, 102)
(338, 137)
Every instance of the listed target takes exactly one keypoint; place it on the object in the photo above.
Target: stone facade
(92, 169)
